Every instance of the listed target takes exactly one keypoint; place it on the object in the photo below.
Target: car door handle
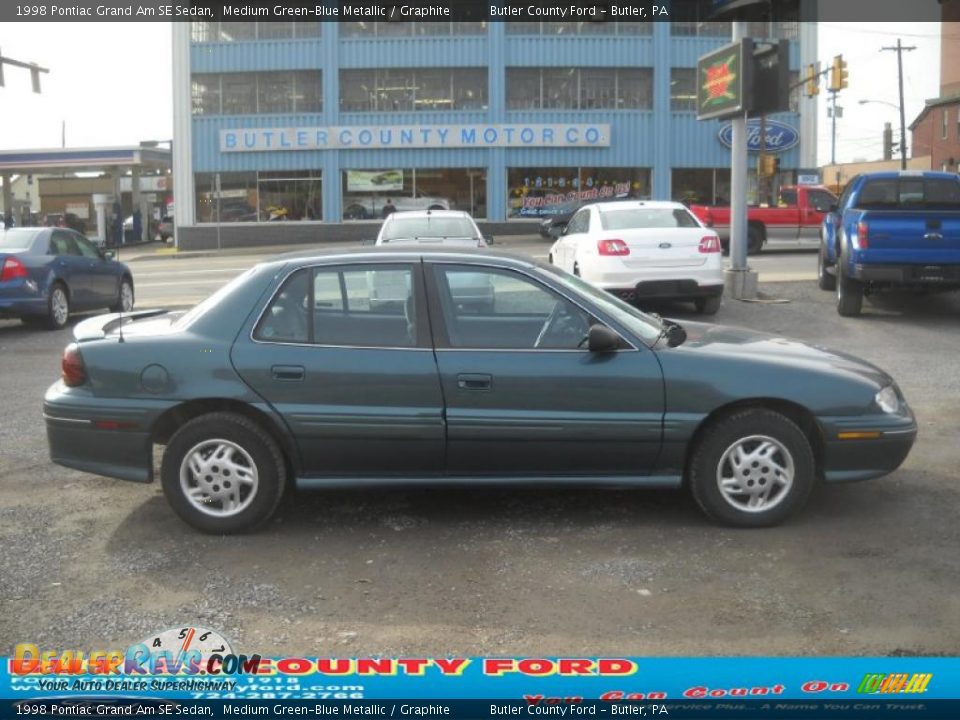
(289, 373)
(474, 382)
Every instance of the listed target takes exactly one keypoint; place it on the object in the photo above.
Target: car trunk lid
(136, 323)
(663, 247)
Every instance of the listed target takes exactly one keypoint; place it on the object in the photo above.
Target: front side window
(490, 308)
(580, 223)
(356, 306)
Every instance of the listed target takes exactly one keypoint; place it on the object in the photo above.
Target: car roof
(402, 253)
(637, 204)
(893, 174)
(399, 215)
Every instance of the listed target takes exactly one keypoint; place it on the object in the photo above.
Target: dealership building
(283, 130)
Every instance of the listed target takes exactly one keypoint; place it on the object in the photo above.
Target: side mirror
(564, 228)
(488, 239)
(108, 254)
(601, 339)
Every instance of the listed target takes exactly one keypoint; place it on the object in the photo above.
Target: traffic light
(813, 79)
(768, 165)
(838, 74)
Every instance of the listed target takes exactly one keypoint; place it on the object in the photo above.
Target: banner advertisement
(195, 671)
(374, 180)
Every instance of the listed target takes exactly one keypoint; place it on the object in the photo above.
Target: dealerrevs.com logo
(894, 683)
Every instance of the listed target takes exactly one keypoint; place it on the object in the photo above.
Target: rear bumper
(19, 307)
(908, 274)
(76, 441)
(852, 460)
(668, 290)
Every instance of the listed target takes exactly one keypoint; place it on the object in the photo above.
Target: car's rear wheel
(849, 294)
(124, 301)
(707, 305)
(825, 281)
(753, 468)
(58, 307)
(222, 473)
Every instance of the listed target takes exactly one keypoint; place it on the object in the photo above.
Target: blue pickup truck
(891, 229)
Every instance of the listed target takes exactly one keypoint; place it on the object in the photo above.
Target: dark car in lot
(290, 375)
(47, 273)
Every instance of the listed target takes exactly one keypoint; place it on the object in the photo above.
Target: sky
(110, 83)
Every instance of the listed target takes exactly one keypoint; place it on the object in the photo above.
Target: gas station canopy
(104, 159)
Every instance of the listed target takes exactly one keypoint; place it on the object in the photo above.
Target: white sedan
(639, 249)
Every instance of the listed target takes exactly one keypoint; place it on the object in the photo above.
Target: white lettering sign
(362, 137)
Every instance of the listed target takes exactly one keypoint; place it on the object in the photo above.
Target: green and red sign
(721, 82)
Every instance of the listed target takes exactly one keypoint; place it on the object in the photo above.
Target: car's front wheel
(124, 301)
(825, 281)
(753, 468)
(222, 473)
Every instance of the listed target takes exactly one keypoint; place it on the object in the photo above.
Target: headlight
(887, 399)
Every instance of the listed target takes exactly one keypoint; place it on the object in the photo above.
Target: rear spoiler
(98, 327)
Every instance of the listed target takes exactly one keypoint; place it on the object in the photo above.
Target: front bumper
(77, 441)
(865, 459)
(908, 274)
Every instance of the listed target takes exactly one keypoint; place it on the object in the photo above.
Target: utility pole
(900, 49)
(833, 127)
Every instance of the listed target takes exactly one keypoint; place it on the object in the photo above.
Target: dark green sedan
(363, 368)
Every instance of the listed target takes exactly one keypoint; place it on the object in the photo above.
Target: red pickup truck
(794, 222)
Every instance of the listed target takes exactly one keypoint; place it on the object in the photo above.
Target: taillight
(72, 370)
(613, 247)
(710, 244)
(863, 233)
(12, 269)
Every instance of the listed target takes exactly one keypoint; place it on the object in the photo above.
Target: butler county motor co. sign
(360, 137)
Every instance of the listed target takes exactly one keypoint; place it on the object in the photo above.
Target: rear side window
(358, 306)
(910, 193)
(17, 239)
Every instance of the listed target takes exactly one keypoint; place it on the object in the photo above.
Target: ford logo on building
(780, 136)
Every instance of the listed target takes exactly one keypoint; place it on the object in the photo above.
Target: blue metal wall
(659, 139)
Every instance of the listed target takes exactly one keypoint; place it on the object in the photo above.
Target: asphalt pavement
(867, 569)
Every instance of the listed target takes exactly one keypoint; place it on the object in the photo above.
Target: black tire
(707, 305)
(825, 281)
(57, 314)
(754, 239)
(118, 306)
(707, 459)
(849, 294)
(252, 439)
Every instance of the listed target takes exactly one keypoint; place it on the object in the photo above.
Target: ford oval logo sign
(780, 136)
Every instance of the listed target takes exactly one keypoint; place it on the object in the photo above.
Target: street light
(903, 138)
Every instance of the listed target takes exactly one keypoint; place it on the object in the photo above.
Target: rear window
(910, 193)
(428, 227)
(646, 218)
(15, 239)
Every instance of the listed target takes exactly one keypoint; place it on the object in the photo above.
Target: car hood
(725, 341)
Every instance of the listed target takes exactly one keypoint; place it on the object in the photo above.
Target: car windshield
(636, 218)
(200, 309)
(17, 239)
(421, 228)
(645, 326)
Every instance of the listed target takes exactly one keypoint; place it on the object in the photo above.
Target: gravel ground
(869, 568)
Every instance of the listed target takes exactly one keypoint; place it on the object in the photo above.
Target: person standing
(389, 208)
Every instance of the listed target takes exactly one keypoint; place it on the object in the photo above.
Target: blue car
(48, 273)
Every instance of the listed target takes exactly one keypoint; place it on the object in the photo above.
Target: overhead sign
(365, 137)
(722, 81)
(780, 136)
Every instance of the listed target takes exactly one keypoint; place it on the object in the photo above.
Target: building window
(259, 197)
(204, 32)
(372, 194)
(579, 88)
(257, 93)
(410, 29)
(944, 124)
(405, 89)
(700, 185)
(563, 29)
(543, 192)
(683, 89)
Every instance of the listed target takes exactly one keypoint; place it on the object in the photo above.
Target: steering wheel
(561, 324)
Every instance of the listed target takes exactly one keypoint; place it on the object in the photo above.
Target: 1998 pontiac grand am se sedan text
(299, 372)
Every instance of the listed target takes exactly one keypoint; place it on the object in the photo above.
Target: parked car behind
(288, 376)
(48, 273)
(891, 230)
(639, 249)
(367, 207)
